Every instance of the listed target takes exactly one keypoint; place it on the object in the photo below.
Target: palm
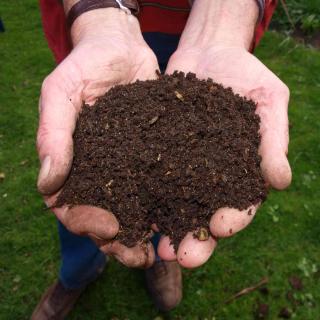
(82, 78)
(236, 68)
(246, 75)
(91, 69)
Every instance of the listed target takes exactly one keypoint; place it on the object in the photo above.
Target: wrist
(105, 22)
(220, 23)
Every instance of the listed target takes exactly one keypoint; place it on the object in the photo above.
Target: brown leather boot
(164, 283)
(56, 303)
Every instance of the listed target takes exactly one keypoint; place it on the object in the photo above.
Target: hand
(235, 67)
(108, 50)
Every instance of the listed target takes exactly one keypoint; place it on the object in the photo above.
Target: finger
(273, 112)
(166, 249)
(54, 138)
(225, 222)
(193, 253)
(139, 256)
(88, 220)
(274, 164)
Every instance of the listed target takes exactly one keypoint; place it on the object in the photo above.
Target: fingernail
(44, 170)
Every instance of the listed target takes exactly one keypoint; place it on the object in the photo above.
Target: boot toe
(164, 283)
(168, 301)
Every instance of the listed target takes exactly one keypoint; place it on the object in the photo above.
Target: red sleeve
(165, 16)
(55, 29)
(270, 6)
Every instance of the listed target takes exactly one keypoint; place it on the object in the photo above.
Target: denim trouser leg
(82, 261)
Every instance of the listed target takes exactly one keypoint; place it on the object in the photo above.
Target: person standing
(101, 43)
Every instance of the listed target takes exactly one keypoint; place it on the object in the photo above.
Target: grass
(305, 15)
(282, 241)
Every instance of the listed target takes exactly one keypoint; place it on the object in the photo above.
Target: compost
(168, 152)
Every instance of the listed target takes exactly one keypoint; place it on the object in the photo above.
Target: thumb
(54, 138)
(274, 140)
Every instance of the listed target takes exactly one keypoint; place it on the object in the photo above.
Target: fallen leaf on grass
(23, 162)
(15, 288)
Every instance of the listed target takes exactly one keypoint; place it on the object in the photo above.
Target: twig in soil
(247, 290)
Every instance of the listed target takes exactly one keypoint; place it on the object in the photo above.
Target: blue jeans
(82, 261)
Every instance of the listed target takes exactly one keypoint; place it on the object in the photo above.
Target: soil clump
(169, 151)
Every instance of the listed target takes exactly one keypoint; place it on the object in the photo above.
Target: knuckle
(47, 84)
(137, 262)
(43, 129)
(284, 90)
(104, 247)
(42, 133)
(113, 229)
(65, 219)
(72, 223)
(130, 258)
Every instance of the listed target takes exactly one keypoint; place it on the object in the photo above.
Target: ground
(282, 241)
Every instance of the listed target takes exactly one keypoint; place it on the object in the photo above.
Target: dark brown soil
(169, 151)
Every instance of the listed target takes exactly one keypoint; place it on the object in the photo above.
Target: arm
(220, 22)
(108, 49)
(215, 44)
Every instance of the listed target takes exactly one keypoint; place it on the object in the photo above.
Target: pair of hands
(97, 63)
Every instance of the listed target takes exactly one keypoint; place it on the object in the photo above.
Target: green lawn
(304, 15)
(283, 240)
